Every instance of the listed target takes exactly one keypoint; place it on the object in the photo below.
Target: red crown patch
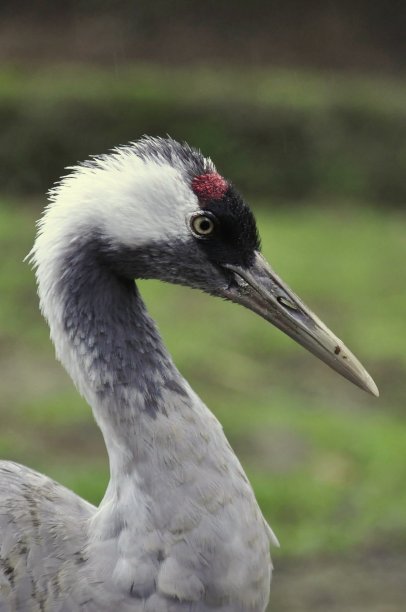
(210, 186)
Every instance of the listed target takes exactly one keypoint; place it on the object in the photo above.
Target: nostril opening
(287, 303)
(236, 282)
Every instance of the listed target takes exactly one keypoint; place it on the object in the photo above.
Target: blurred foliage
(278, 134)
(327, 461)
(338, 34)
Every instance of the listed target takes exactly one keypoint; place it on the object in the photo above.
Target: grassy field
(294, 134)
(297, 89)
(327, 461)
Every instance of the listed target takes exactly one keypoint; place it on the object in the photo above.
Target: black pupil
(205, 225)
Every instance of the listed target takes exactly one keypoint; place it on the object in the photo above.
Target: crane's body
(179, 528)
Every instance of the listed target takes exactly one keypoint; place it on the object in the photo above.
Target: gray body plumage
(179, 528)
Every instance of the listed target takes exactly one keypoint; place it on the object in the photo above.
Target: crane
(179, 528)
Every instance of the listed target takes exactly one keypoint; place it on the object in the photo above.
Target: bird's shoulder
(42, 527)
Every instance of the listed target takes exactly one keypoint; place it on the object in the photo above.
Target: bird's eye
(202, 224)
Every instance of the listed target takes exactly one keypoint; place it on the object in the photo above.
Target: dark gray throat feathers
(116, 342)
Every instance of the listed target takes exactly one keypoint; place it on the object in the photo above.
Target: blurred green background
(303, 106)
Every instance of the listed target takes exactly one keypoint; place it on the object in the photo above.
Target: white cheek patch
(153, 205)
(131, 201)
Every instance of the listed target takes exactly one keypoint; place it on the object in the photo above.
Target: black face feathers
(235, 237)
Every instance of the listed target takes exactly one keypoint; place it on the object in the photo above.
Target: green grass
(326, 460)
(292, 89)
(294, 135)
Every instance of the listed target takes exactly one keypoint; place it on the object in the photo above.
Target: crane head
(159, 209)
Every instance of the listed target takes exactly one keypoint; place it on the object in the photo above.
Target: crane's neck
(112, 350)
(164, 446)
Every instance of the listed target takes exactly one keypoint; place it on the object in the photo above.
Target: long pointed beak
(262, 291)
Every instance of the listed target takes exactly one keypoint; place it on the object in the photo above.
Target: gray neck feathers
(112, 350)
